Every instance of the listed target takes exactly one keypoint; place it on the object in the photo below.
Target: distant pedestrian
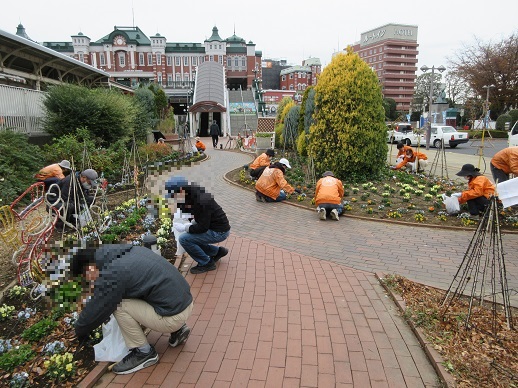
(210, 224)
(328, 196)
(480, 189)
(215, 133)
(260, 163)
(271, 186)
(505, 162)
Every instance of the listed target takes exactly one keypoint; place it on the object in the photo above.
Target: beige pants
(422, 164)
(131, 313)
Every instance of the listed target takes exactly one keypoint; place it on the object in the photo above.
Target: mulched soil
(474, 356)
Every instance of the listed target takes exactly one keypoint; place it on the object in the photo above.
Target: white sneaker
(334, 215)
(322, 214)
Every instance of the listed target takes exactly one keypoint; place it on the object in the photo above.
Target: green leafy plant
(6, 312)
(39, 330)
(65, 296)
(16, 357)
(18, 291)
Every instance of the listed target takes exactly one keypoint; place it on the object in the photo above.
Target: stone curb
(413, 224)
(95, 374)
(433, 356)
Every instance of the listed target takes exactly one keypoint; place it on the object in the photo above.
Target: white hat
(64, 164)
(285, 162)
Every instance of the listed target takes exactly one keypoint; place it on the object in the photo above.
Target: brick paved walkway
(286, 309)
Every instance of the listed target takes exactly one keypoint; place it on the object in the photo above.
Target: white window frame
(194, 61)
(158, 58)
(169, 79)
(243, 62)
(141, 61)
(150, 59)
(177, 61)
(122, 59)
(186, 61)
(229, 62)
(102, 59)
(211, 58)
(168, 60)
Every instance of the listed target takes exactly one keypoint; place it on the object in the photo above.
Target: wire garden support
(483, 269)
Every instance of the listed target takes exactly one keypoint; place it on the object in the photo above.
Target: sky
(291, 30)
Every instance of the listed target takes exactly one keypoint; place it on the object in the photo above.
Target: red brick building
(131, 57)
(391, 52)
(298, 78)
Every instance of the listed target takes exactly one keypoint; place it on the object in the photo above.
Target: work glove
(458, 195)
(298, 191)
(181, 227)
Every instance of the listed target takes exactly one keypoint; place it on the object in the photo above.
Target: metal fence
(21, 109)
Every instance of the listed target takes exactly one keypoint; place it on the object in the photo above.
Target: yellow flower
(46, 364)
(69, 367)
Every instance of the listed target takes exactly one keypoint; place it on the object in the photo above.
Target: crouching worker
(401, 151)
(199, 145)
(271, 186)
(139, 287)
(416, 161)
(53, 173)
(210, 224)
(480, 189)
(328, 196)
(260, 163)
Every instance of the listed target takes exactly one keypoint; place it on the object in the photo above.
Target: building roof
(184, 47)
(209, 93)
(33, 61)
(234, 39)
(132, 34)
(312, 62)
(214, 36)
(295, 69)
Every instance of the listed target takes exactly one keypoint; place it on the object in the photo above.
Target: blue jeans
(331, 206)
(198, 245)
(281, 197)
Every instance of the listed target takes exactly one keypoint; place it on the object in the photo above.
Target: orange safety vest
(271, 182)
(329, 190)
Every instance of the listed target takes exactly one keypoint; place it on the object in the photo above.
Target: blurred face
(91, 273)
(409, 154)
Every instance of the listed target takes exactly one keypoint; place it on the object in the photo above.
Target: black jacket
(214, 130)
(205, 210)
(67, 192)
(132, 272)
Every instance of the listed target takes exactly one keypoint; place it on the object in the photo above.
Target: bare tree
(485, 64)
(457, 91)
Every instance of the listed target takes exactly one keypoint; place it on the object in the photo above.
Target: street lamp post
(424, 69)
(486, 110)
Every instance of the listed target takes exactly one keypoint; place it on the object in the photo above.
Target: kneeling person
(271, 186)
(480, 189)
(138, 287)
(328, 196)
(260, 163)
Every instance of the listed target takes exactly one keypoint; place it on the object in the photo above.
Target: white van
(513, 135)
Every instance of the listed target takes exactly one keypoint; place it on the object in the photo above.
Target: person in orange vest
(415, 160)
(53, 173)
(401, 151)
(328, 196)
(271, 186)
(199, 145)
(260, 163)
(480, 189)
(504, 163)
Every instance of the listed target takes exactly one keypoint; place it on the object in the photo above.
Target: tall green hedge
(19, 161)
(349, 134)
(107, 114)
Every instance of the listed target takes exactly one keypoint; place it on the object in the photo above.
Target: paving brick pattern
(295, 303)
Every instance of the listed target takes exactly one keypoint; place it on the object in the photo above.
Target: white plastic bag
(451, 203)
(183, 218)
(113, 347)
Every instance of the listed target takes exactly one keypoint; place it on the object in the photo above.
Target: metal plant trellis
(132, 168)
(483, 270)
(439, 160)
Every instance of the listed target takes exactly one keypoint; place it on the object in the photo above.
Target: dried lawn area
(473, 356)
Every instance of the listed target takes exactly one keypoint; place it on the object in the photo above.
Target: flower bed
(397, 196)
